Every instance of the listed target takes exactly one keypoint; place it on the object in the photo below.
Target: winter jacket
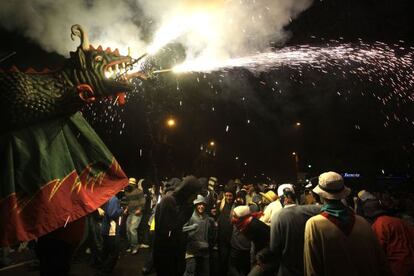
(200, 234)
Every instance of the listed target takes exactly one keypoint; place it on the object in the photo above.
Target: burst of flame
(201, 65)
(196, 21)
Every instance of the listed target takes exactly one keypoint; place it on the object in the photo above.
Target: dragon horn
(77, 30)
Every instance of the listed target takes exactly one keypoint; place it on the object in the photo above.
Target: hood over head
(190, 186)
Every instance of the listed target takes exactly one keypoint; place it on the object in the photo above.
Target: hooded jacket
(200, 234)
(170, 216)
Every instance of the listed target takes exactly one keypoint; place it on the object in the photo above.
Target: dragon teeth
(108, 74)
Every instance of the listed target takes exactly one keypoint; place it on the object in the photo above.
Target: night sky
(340, 128)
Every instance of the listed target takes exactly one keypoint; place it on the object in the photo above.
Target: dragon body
(55, 168)
(30, 97)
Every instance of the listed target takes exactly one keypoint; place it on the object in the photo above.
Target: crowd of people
(198, 226)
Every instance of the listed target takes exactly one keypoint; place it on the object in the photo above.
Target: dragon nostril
(85, 92)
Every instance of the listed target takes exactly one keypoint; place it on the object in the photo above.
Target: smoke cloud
(231, 28)
(48, 22)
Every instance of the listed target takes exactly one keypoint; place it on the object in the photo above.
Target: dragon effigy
(54, 167)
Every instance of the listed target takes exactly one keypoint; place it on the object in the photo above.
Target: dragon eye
(98, 58)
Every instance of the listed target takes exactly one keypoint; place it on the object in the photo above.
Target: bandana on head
(242, 222)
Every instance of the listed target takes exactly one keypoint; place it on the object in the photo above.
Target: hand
(126, 210)
(101, 212)
(138, 212)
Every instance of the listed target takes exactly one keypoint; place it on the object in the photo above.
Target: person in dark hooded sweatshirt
(169, 188)
(225, 228)
(171, 214)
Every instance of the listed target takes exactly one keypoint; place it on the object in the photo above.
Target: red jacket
(397, 239)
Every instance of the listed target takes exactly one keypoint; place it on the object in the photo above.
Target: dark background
(341, 133)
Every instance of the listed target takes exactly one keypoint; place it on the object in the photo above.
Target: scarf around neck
(340, 215)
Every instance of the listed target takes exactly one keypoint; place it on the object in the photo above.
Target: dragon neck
(74, 76)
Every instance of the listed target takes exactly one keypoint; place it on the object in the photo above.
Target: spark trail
(373, 62)
(384, 65)
(380, 64)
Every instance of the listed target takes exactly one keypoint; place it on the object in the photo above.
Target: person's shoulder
(386, 219)
(113, 200)
(274, 203)
(167, 200)
(258, 221)
(309, 210)
(283, 216)
(316, 219)
(362, 221)
(285, 212)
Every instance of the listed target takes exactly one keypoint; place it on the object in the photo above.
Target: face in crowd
(229, 197)
(200, 208)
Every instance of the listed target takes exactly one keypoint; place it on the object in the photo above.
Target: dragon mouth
(118, 77)
(117, 70)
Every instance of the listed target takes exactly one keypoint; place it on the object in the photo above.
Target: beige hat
(132, 181)
(269, 196)
(331, 186)
(199, 199)
(242, 211)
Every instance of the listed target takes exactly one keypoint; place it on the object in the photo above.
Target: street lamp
(210, 147)
(171, 122)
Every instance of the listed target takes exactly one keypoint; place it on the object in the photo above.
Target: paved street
(127, 265)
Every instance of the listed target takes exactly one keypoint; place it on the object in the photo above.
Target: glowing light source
(168, 33)
(171, 122)
(199, 22)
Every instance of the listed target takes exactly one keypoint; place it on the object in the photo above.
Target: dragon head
(98, 72)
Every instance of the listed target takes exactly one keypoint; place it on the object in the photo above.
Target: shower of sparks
(104, 112)
(380, 57)
(382, 65)
(389, 66)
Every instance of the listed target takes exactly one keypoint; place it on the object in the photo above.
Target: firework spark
(388, 65)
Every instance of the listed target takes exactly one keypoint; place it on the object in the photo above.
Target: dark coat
(259, 233)
(225, 227)
(169, 240)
